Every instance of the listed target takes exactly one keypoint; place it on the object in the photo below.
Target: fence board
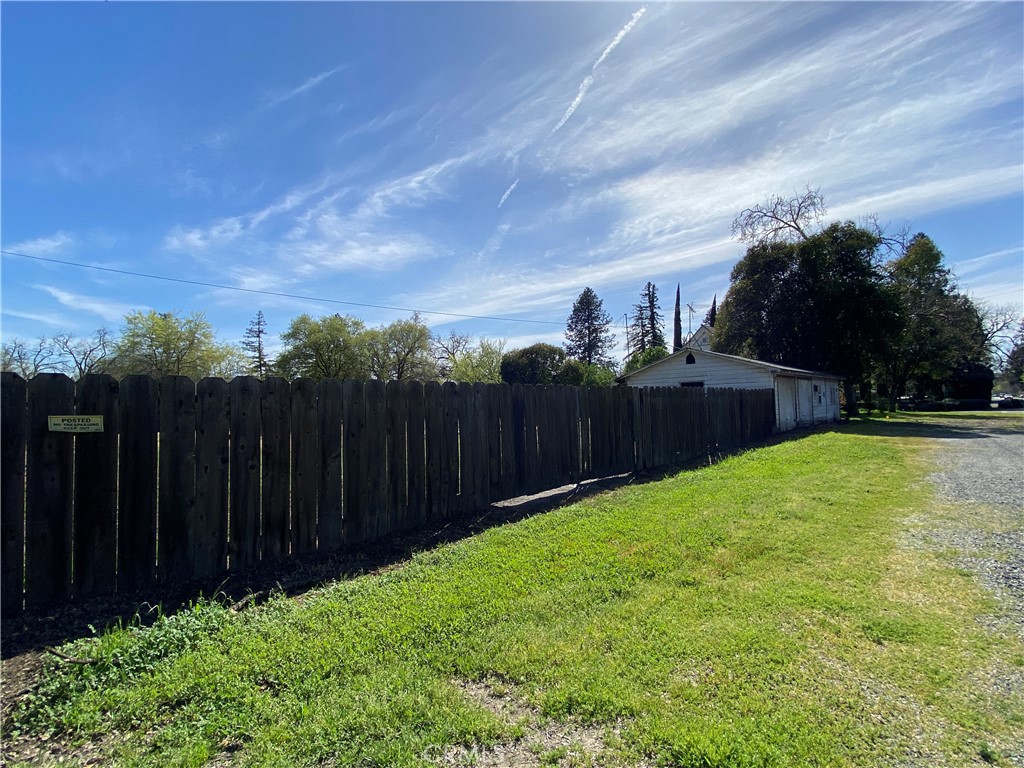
(95, 545)
(397, 413)
(275, 416)
(433, 408)
(331, 399)
(305, 465)
(417, 512)
(213, 455)
(13, 429)
(354, 520)
(176, 510)
(507, 443)
(518, 430)
(449, 451)
(48, 486)
(244, 500)
(378, 522)
(139, 420)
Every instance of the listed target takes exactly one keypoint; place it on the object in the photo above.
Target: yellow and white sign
(76, 423)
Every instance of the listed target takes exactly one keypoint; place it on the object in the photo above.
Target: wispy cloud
(56, 321)
(277, 99)
(43, 246)
(493, 244)
(110, 311)
(589, 79)
(508, 192)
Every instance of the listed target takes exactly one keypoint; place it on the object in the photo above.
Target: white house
(701, 338)
(802, 397)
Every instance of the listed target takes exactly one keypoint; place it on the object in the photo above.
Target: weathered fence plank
(397, 414)
(95, 546)
(213, 455)
(48, 487)
(275, 416)
(331, 398)
(354, 521)
(433, 409)
(449, 451)
(244, 498)
(378, 521)
(13, 429)
(139, 412)
(416, 514)
(305, 465)
(176, 526)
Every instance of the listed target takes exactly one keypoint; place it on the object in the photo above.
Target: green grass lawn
(760, 612)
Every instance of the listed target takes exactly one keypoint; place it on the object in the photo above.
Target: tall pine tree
(709, 318)
(647, 321)
(677, 325)
(587, 334)
(255, 347)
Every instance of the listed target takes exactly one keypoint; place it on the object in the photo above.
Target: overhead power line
(275, 293)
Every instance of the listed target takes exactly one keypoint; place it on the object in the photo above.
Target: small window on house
(815, 387)
(691, 384)
(690, 360)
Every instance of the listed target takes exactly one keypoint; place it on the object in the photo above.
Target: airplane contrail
(589, 79)
(508, 192)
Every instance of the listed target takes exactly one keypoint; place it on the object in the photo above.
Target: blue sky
(484, 159)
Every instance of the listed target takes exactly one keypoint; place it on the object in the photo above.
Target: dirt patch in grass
(542, 742)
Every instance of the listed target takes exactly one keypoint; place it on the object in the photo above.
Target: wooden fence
(187, 480)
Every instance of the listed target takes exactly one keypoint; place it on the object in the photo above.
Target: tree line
(880, 309)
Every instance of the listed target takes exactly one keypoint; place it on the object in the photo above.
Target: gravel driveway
(982, 468)
(981, 477)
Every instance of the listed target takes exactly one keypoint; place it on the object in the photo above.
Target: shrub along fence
(187, 480)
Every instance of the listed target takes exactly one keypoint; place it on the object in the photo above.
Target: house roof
(783, 370)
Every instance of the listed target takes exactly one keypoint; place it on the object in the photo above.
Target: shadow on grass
(945, 426)
(37, 629)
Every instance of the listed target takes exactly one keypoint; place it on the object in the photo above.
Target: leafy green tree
(255, 346)
(576, 373)
(401, 351)
(587, 334)
(481, 363)
(331, 347)
(645, 358)
(815, 303)
(536, 364)
(170, 344)
(934, 328)
(1013, 368)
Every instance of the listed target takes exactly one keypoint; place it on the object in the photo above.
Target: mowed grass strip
(760, 612)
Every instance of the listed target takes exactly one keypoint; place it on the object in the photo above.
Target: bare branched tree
(447, 350)
(82, 356)
(892, 240)
(1002, 326)
(780, 218)
(27, 358)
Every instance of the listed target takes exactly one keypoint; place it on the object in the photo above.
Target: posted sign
(76, 423)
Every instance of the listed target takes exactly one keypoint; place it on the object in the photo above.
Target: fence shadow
(978, 428)
(37, 629)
